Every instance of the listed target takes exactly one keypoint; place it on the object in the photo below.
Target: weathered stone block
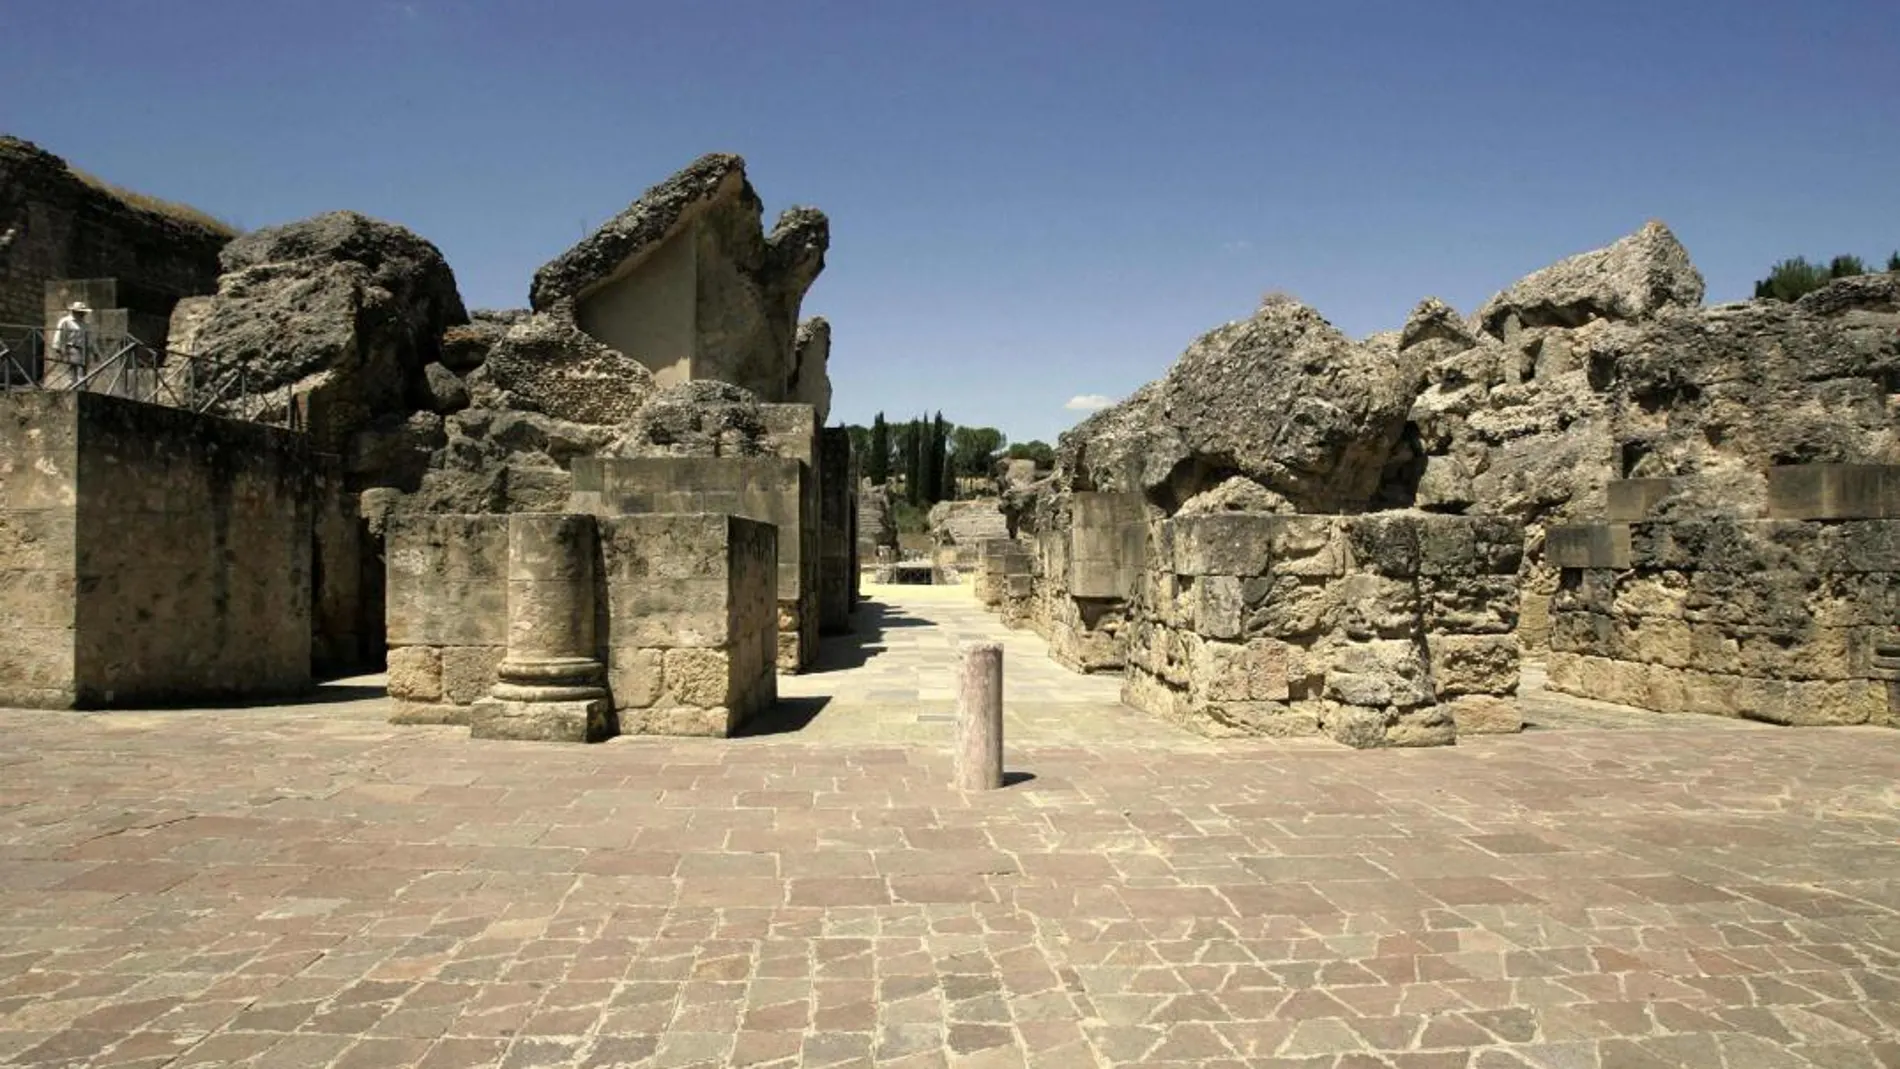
(698, 677)
(1369, 728)
(1469, 545)
(1834, 492)
(468, 672)
(1385, 543)
(1108, 544)
(1632, 499)
(1595, 545)
(636, 677)
(679, 720)
(415, 674)
(1379, 674)
(1252, 544)
(570, 721)
(1474, 664)
(1474, 604)
(1368, 606)
(412, 713)
(1484, 714)
(1217, 606)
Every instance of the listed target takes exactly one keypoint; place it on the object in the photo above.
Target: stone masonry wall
(39, 464)
(690, 602)
(1794, 619)
(67, 229)
(1387, 629)
(774, 490)
(447, 613)
(179, 545)
(685, 608)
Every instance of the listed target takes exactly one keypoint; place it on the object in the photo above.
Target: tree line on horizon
(928, 457)
(1797, 276)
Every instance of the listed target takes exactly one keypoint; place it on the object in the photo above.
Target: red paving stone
(265, 888)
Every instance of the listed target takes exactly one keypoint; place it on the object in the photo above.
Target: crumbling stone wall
(1389, 629)
(62, 227)
(685, 605)
(1792, 619)
(149, 555)
(687, 281)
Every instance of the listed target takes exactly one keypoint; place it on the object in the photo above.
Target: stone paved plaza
(310, 887)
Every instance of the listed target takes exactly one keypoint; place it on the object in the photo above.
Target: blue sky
(1029, 201)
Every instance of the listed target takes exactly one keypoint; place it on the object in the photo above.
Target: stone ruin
(618, 510)
(556, 522)
(1295, 533)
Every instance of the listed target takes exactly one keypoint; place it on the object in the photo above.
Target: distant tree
(973, 449)
(1845, 267)
(860, 442)
(1035, 449)
(877, 458)
(915, 450)
(1893, 262)
(1792, 279)
(936, 453)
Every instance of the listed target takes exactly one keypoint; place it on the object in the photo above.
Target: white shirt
(69, 337)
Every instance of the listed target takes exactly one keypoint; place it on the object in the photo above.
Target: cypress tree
(914, 475)
(877, 466)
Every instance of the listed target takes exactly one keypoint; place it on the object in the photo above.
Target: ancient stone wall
(684, 604)
(1005, 580)
(1387, 629)
(64, 228)
(687, 281)
(447, 612)
(775, 490)
(1791, 619)
(692, 621)
(153, 556)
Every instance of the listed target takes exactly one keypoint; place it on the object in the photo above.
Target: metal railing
(32, 358)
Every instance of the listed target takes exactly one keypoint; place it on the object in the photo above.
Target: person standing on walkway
(72, 340)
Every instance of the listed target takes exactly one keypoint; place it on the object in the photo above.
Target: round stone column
(550, 684)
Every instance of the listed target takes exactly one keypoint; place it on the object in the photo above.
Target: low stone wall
(1793, 619)
(1387, 629)
(684, 607)
(150, 555)
(1005, 580)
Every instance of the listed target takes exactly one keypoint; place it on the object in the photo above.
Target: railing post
(979, 754)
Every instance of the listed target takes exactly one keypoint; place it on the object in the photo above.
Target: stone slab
(1834, 492)
(570, 721)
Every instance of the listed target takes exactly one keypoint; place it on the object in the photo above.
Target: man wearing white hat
(70, 340)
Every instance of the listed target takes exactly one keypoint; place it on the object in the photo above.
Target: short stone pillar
(549, 685)
(979, 756)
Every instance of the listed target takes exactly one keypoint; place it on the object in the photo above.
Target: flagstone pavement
(309, 886)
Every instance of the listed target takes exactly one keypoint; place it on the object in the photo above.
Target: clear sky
(1030, 200)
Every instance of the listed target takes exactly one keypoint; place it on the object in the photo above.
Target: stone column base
(569, 721)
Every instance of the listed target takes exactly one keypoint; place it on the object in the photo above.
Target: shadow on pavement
(853, 648)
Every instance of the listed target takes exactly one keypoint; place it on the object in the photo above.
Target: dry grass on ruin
(183, 213)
